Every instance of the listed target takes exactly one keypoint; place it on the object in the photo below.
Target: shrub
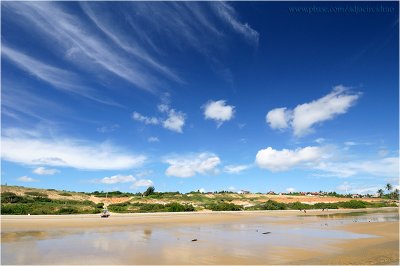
(272, 205)
(9, 197)
(323, 205)
(353, 204)
(223, 207)
(177, 207)
(65, 194)
(36, 194)
(100, 205)
(299, 206)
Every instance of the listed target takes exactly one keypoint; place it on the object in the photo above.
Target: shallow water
(217, 243)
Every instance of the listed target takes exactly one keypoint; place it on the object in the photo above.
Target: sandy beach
(262, 237)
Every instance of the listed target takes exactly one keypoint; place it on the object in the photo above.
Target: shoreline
(15, 222)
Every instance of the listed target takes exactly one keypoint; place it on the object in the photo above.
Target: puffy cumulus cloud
(26, 179)
(280, 160)
(56, 151)
(142, 183)
(175, 121)
(115, 179)
(188, 166)
(290, 189)
(278, 118)
(45, 171)
(172, 120)
(235, 169)
(218, 111)
(304, 116)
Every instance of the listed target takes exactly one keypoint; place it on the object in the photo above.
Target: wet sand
(344, 237)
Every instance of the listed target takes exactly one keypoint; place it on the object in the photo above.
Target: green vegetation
(65, 194)
(39, 203)
(111, 194)
(222, 206)
(149, 191)
(352, 204)
(390, 195)
(36, 194)
(150, 207)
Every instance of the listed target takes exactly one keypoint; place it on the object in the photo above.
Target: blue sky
(199, 95)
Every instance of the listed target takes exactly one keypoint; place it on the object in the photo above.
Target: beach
(260, 237)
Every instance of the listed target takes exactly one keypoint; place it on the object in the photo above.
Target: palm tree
(380, 192)
(395, 194)
(388, 187)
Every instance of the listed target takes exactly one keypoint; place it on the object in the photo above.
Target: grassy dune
(22, 200)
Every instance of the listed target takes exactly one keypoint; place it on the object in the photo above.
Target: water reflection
(224, 243)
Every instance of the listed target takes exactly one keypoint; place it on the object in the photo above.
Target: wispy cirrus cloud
(79, 43)
(228, 14)
(59, 78)
(304, 116)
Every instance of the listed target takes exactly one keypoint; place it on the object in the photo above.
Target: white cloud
(354, 188)
(188, 166)
(153, 139)
(45, 171)
(278, 118)
(235, 169)
(218, 111)
(59, 78)
(388, 167)
(320, 140)
(228, 14)
(80, 44)
(202, 190)
(304, 116)
(65, 152)
(142, 183)
(231, 188)
(26, 179)
(174, 120)
(145, 119)
(107, 129)
(97, 14)
(275, 160)
(117, 179)
(290, 189)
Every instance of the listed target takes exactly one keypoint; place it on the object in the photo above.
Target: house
(356, 196)
(243, 192)
(271, 193)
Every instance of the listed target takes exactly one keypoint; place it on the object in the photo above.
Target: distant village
(310, 194)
